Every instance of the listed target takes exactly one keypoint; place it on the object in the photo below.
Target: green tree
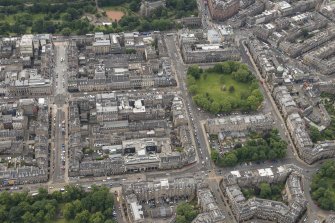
(226, 105)
(202, 101)
(214, 155)
(253, 102)
(181, 219)
(82, 217)
(215, 107)
(135, 5)
(66, 31)
(265, 190)
(231, 89)
(229, 159)
(186, 210)
(315, 134)
(97, 217)
(193, 89)
(69, 211)
(194, 71)
(28, 218)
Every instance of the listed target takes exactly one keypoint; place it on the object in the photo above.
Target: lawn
(214, 83)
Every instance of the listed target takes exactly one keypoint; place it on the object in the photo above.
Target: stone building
(223, 9)
(244, 209)
(239, 123)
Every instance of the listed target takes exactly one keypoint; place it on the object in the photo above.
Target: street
(59, 146)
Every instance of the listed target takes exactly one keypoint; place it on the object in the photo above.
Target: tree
(15, 214)
(226, 68)
(257, 93)
(214, 155)
(190, 80)
(215, 107)
(314, 134)
(28, 218)
(135, 5)
(252, 102)
(231, 89)
(194, 71)
(82, 217)
(229, 159)
(242, 75)
(66, 31)
(265, 190)
(193, 89)
(181, 219)
(322, 187)
(69, 211)
(97, 217)
(225, 105)
(187, 211)
(202, 101)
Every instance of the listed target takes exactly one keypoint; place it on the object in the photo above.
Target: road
(59, 151)
(192, 110)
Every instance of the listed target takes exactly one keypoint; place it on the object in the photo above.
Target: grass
(213, 83)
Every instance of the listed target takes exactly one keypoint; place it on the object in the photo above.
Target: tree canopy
(322, 187)
(80, 206)
(185, 213)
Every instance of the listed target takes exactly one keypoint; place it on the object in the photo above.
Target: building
(192, 22)
(101, 44)
(162, 189)
(210, 212)
(308, 151)
(285, 101)
(223, 9)
(266, 209)
(134, 209)
(26, 45)
(209, 53)
(147, 7)
(239, 123)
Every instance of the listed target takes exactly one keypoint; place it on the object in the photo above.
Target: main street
(58, 150)
(192, 111)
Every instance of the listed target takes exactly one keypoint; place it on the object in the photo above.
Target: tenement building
(239, 123)
(223, 9)
(244, 209)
